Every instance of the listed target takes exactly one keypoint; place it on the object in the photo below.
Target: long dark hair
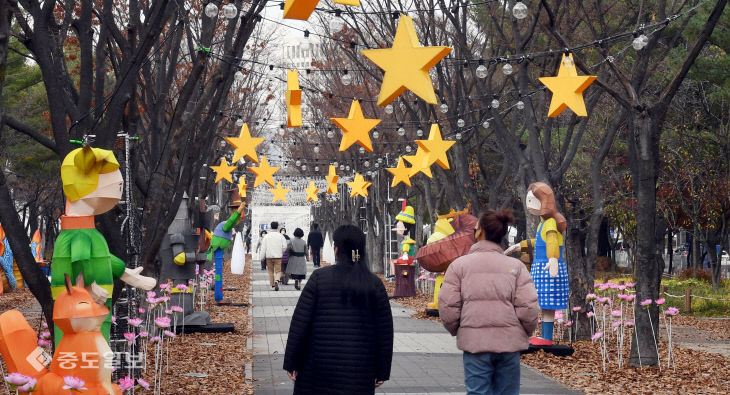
(355, 278)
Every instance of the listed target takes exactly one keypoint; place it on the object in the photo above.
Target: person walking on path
(285, 258)
(341, 334)
(315, 242)
(272, 249)
(296, 269)
(258, 249)
(485, 280)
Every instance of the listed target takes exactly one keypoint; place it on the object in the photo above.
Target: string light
(444, 108)
(507, 69)
(389, 109)
(229, 11)
(419, 132)
(519, 11)
(211, 10)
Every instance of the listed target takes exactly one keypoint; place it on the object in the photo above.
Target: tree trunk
(580, 273)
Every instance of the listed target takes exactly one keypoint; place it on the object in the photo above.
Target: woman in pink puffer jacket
(488, 301)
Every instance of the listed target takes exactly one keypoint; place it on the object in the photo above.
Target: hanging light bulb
(304, 167)
(298, 163)
(402, 106)
(419, 132)
(401, 131)
(485, 124)
(316, 148)
(389, 109)
(519, 11)
(640, 42)
(346, 79)
(495, 103)
(330, 134)
(347, 167)
(239, 122)
(229, 11)
(520, 105)
(334, 164)
(336, 24)
(362, 150)
(366, 164)
(316, 168)
(238, 76)
(568, 61)
(380, 160)
(444, 108)
(458, 136)
(482, 71)
(408, 148)
(305, 44)
(460, 123)
(342, 167)
(507, 69)
(376, 134)
(211, 10)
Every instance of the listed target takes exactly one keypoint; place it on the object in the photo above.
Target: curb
(248, 369)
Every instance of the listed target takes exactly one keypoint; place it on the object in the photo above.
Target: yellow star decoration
(358, 186)
(355, 128)
(312, 192)
(332, 178)
(567, 88)
(245, 145)
(279, 193)
(406, 64)
(264, 173)
(355, 3)
(242, 186)
(223, 171)
(302, 9)
(400, 173)
(436, 147)
(421, 162)
(293, 100)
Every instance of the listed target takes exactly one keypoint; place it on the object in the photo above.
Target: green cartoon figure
(93, 185)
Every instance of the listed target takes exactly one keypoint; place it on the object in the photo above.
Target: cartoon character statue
(6, 260)
(83, 352)
(221, 239)
(549, 272)
(93, 185)
(453, 237)
(36, 249)
(405, 282)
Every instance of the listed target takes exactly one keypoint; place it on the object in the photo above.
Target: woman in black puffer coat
(341, 334)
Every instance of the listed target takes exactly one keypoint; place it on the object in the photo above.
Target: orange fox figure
(83, 352)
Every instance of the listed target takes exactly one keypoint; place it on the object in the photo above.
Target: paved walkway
(425, 357)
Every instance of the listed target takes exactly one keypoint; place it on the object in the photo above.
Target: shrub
(704, 275)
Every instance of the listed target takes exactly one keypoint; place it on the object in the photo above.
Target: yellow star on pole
(358, 186)
(567, 88)
(332, 178)
(242, 186)
(279, 193)
(406, 64)
(436, 147)
(245, 145)
(223, 171)
(400, 173)
(293, 100)
(264, 173)
(421, 162)
(355, 128)
(312, 192)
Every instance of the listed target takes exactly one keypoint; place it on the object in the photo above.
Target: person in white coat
(272, 249)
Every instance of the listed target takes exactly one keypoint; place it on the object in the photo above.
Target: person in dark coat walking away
(315, 242)
(341, 334)
(296, 269)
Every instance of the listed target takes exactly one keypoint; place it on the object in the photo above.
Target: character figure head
(541, 201)
(76, 311)
(406, 220)
(92, 181)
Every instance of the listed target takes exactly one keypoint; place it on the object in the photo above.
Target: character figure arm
(234, 218)
(525, 246)
(131, 276)
(552, 246)
(450, 301)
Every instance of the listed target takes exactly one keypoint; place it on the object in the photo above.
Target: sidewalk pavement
(425, 357)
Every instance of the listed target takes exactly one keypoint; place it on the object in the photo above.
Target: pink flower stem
(638, 350)
(651, 324)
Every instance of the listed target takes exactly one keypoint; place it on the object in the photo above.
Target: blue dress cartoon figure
(549, 272)
(6, 259)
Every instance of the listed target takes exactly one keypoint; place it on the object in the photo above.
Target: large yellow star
(406, 64)
(312, 192)
(358, 186)
(264, 173)
(242, 186)
(436, 147)
(332, 178)
(421, 162)
(293, 100)
(400, 173)
(567, 88)
(279, 193)
(355, 128)
(223, 171)
(245, 145)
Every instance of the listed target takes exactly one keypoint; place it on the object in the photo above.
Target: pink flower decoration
(590, 314)
(597, 284)
(44, 343)
(616, 324)
(135, 322)
(630, 285)
(114, 319)
(622, 296)
(597, 336)
(622, 287)
(130, 336)
(631, 298)
(165, 286)
(168, 311)
(177, 309)
(17, 379)
(126, 383)
(44, 325)
(558, 314)
(151, 294)
(73, 383)
(141, 310)
(616, 313)
(604, 287)
(660, 301)
(576, 308)
(671, 311)
(46, 334)
(431, 279)
(144, 384)
(154, 339)
(29, 386)
(169, 333)
(591, 297)
(612, 285)
(569, 323)
(422, 277)
(182, 287)
(151, 301)
(162, 322)
(645, 303)
(629, 324)
(143, 334)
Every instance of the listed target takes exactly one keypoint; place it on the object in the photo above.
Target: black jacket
(314, 239)
(338, 348)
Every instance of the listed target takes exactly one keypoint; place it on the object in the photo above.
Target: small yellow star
(356, 128)
(264, 173)
(242, 186)
(400, 173)
(312, 192)
(223, 171)
(567, 88)
(332, 178)
(406, 64)
(420, 162)
(279, 193)
(293, 100)
(245, 145)
(436, 147)
(359, 187)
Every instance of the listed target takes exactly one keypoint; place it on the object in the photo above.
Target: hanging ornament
(408, 148)
(567, 88)
(380, 160)
(336, 24)
(495, 103)
(401, 131)
(421, 162)
(298, 162)
(519, 11)
(444, 108)
(401, 173)
(419, 132)
(359, 187)
(406, 64)
(342, 167)
(507, 69)
(437, 147)
(304, 167)
(245, 145)
(485, 124)
(458, 136)
(229, 11)
(332, 178)
(347, 168)
(242, 187)
(389, 109)
(293, 100)
(223, 171)
(460, 123)
(316, 148)
(520, 105)
(334, 164)
(482, 71)
(376, 134)
(361, 150)
(211, 10)
(330, 134)
(264, 173)
(316, 168)
(640, 42)
(279, 193)
(312, 191)
(355, 128)
(239, 77)
(366, 164)
(239, 122)
(567, 62)
(346, 78)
